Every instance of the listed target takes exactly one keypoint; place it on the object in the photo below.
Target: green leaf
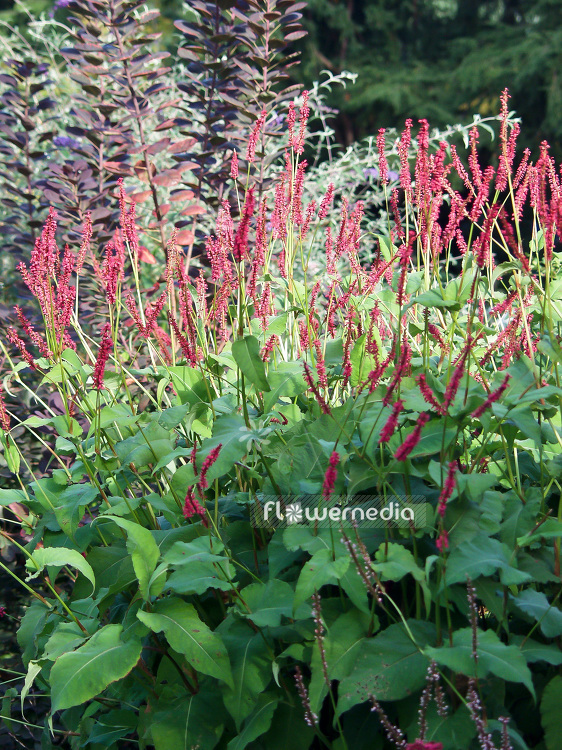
(433, 298)
(361, 361)
(143, 550)
(342, 645)
(188, 635)
(198, 568)
(434, 437)
(251, 670)
(394, 562)
(268, 602)
(187, 722)
(66, 637)
(506, 662)
(550, 529)
(389, 666)
(231, 431)
(536, 605)
(7, 497)
(256, 724)
(551, 713)
(482, 556)
(173, 416)
(286, 381)
(113, 726)
(188, 383)
(83, 674)
(534, 651)
(246, 353)
(57, 557)
(320, 570)
(70, 504)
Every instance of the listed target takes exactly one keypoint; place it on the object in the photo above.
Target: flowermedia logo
(371, 511)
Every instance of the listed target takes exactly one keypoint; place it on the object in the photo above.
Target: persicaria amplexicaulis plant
(429, 371)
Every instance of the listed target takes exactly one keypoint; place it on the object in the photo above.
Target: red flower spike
(103, 355)
(207, 463)
(448, 489)
(192, 507)
(330, 476)
(4, 416)
(442, 542)
(391, 423)
(413, 438)
(492, 398)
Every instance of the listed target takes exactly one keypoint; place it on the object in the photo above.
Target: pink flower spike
(192, 507)
(326, 202)
(303, 120)
(234, 166)
(383, 164)
(330, 476)
(492, 398)
(4, 416)
(448, 489)
(103, 355)
(442, 542)
(207, 463)
(428, 394)
(391, 423)
(253, 141)
(413, 438)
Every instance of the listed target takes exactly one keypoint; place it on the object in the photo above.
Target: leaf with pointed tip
(188, 635)
(83, 674)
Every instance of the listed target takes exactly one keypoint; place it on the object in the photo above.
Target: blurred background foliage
(440, 59)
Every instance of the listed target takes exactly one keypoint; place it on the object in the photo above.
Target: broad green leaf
(79, 676)
(536, 605)
(551, 713)
(506, 662)
(287, 728)
(286, 381)
(361, 361)
(342, 644)
(189, 384)
(394, 562)
(198, 568)
(7, 497)
(550, 529)
(143, 550)
(187, 722)
(66, 637)
(113, 726)
(534, 651)
(188, 635)
(173, 416)
(433, 298)
(251, 670)
(389, 666)
(453, 731)
(482, 556)
(57, 557)
(257, 723)
(268, 602)
(434, 438)
(231, 432)
(246, 353)
(70, 504)
(320, 570)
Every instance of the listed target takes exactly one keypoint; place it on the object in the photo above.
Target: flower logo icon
(293, 513)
